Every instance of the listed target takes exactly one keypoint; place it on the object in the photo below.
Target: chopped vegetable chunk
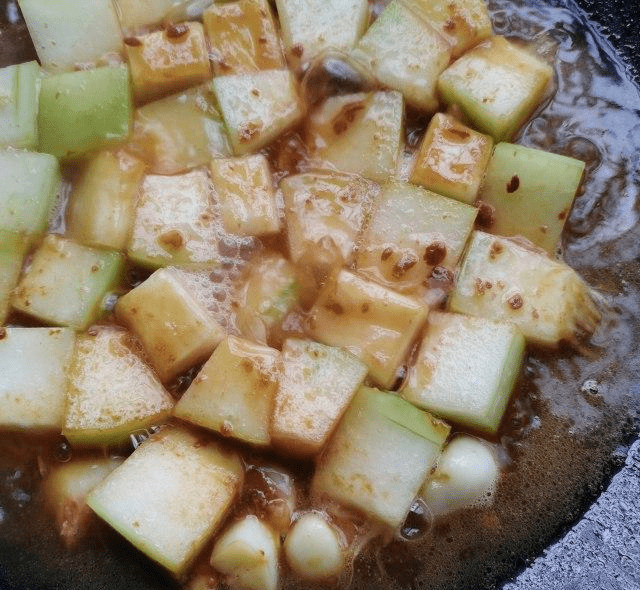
(13, 248)
(19, 90)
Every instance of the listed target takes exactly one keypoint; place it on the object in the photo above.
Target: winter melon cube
(19, 90)
(257, 107)
(33, 365)
(498, 85)
(234, 391)
(112, 391)
(379, 456)
(315, 389)
(360, 133)
(452, 159)
(13, 248)
(466, 369)
(506, 281)
(372, 322)
(170, 495)
(410, 231)
(246, 195)
(66, 282)
(103, 201)
(531, 191)
(138, 14)
(83, 111)
(175, 330)
(164, 62)
(68, 34)
(310, 27)
(325, 205)
(243, 37)
(405, 53)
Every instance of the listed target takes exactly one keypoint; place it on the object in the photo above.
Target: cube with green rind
(170, 496)
(465, 370)
(19, 91)
(33, 365)
(379, 456)
(30, 183)
(112, 390)
(84, 111)
(498, 85)
(66, 282)
(531, 192)
(405, 53)
(13, 249)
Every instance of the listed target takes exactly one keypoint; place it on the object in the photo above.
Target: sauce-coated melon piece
(138, 14)
(19, 90)
(466, 369)
(13, 248)
(503, 280)
(531, 192)
(33, 365)
(379, 456)
(112, 391)
(234, 391)
(170, 495)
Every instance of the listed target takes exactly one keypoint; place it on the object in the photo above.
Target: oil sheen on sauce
(573, 414)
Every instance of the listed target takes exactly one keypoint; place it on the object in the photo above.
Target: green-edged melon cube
(19, 91)
(316, 386)
(33, 365)
(83, 111)
(372, 322)
(411, 231)
(360, 133)
(531, 192)
(66, 282)
(503, 280)
(310, 27)
(498, 85)
(465, 370)
(13, 248)
(103, 201)
(405, 53)
(170, 496)
(234, 391)
(70, 34)
(30, 183)
(257, 107)
(379, 456)
(112, 391)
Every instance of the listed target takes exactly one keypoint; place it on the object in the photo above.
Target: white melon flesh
(170, 496)
(138, 14)
(19, 87)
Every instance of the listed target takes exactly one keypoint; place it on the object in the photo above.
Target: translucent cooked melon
(69, 34)
(112, 391)
(243, 37)
(13, 248)
(170, 495)
(410, 231)
(465, 370)
(246, 195)
(103, 201)
(497, 85)
(65, 489)
(139, 14)
(372, 322)
(247, 554)
(405, 53)
(234, 391)
(531, 192)
(325, 205)
(257, 107)
(164, 62)
(452, 159)
(176, 331)
(379, 456)
(66, 282)
(179, 132)
(19, 90)
(316, 387)
(359, 133)
(33, 365)
(84, 111)
(503, 280)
